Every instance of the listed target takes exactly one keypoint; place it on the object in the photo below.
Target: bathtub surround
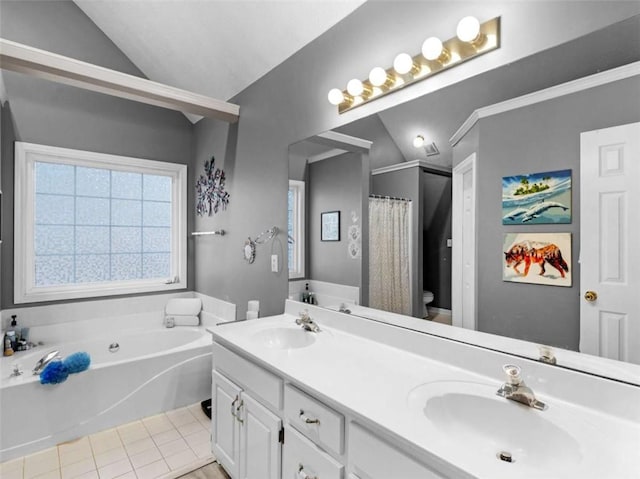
(166, 445)
(153, 370)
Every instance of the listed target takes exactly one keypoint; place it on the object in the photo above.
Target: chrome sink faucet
(307, 323)
(516, 390)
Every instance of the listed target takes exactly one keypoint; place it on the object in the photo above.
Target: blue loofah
(77, 362)
(55, 372)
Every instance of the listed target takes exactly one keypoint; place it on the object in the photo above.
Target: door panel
(225, 428)
(261, 449)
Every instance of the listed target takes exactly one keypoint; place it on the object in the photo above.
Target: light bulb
(378, 76)
(335, 96)
(468, 29)
(355, 87)
(418, 141)
(403, 63)
(432, 48)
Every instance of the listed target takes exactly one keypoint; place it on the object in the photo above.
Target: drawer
(265, 385)
(372, 458)
(301, 459)
(318, 422)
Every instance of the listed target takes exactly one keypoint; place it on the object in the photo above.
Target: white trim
(3, 90)
(326, 155)
(69, 71)
(468, 321)
(340, 140)
(299, 225)
(26, 154)
(410, 164)
(591, 81)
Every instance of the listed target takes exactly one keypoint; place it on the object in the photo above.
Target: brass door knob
(591, 296)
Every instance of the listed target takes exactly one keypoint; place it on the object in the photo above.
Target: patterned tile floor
(165, 446)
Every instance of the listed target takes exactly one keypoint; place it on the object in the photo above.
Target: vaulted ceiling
(213, 47)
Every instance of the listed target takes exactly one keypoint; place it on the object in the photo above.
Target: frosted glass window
(155, 213)
(90, 224)
(93, 182)
(54, 209)
(92, 211)
(126, 185)
(126, 212)
(156, 188)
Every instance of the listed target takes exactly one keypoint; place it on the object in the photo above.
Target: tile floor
(164, 446)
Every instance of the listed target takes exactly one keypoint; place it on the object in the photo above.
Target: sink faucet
(44, 360)
(516, 390)
(307, 323)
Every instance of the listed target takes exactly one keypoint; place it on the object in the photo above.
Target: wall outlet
(449, 243)
(274, 263)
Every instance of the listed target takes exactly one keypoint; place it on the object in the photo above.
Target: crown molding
(411, 164)
(574, 86)
(51, 66)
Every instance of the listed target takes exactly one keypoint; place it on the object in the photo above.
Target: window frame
(299, 229)
(26, 155)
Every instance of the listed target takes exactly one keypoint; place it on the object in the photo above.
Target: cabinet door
(225, 438)
(261, 451)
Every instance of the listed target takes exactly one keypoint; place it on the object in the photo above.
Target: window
(295, 227)
(90, 224)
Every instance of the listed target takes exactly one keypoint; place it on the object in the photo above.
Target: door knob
(591, 296)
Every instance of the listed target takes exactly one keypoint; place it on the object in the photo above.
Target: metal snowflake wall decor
(210, 190)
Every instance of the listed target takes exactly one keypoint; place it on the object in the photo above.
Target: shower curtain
(389, 253)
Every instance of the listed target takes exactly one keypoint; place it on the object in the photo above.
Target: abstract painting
(539, 198)
(538, 258)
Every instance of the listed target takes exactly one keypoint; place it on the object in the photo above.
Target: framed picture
(538, 258)
(538, 198)
(330, 226)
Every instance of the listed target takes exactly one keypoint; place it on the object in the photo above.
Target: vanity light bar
(473, 39)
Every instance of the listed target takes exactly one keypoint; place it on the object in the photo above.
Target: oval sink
(285, 338)
(471, 414)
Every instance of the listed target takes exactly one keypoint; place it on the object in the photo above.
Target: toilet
(427, 297)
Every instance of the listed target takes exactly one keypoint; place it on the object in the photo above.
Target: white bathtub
(155, 369)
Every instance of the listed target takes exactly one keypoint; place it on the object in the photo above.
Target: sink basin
(285, 338)
(473, 417)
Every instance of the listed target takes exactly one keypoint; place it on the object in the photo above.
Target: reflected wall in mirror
(515, 140)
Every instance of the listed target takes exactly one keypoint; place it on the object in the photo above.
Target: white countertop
(373, 382)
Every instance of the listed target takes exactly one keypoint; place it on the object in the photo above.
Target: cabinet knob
(591, 296)
(307, 419)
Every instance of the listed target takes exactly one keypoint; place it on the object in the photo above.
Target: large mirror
(375, 159)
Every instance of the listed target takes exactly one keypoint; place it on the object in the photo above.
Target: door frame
(459, 229)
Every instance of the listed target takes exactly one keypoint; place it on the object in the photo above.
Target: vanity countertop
(382, 385)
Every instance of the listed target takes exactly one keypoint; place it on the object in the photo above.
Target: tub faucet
(307, 323)
(44, 360)
(516, 390)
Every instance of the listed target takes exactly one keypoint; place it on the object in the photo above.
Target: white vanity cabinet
(373, 458)
(246, 435)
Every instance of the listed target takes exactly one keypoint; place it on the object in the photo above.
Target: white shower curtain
(389, 253)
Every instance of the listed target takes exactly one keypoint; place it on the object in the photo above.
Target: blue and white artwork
(539, 198)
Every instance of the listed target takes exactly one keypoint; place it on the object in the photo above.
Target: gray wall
(436, 205)
(407, 183)
(544, 137)
(43, 112)
(334, 184)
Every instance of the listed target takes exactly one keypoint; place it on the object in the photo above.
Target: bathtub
(154, 369)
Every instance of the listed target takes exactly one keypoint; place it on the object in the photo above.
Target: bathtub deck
(165, 446)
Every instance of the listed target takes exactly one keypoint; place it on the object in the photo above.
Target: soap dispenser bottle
(7, 349)
(305, 293)
(13, 334)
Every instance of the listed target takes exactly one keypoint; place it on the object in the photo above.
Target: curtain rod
(380, 197)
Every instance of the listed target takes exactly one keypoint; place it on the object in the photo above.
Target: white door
(261, 451)
(463, 274)
(225, 438)
(610, 242)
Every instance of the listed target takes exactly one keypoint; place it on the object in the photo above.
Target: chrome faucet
(516, 390)
(44, 360)
(307, 323)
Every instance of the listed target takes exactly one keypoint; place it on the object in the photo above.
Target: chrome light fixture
(472, 39)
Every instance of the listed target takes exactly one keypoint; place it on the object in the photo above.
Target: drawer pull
(233, 407)
(307, 419)
(304, 475)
